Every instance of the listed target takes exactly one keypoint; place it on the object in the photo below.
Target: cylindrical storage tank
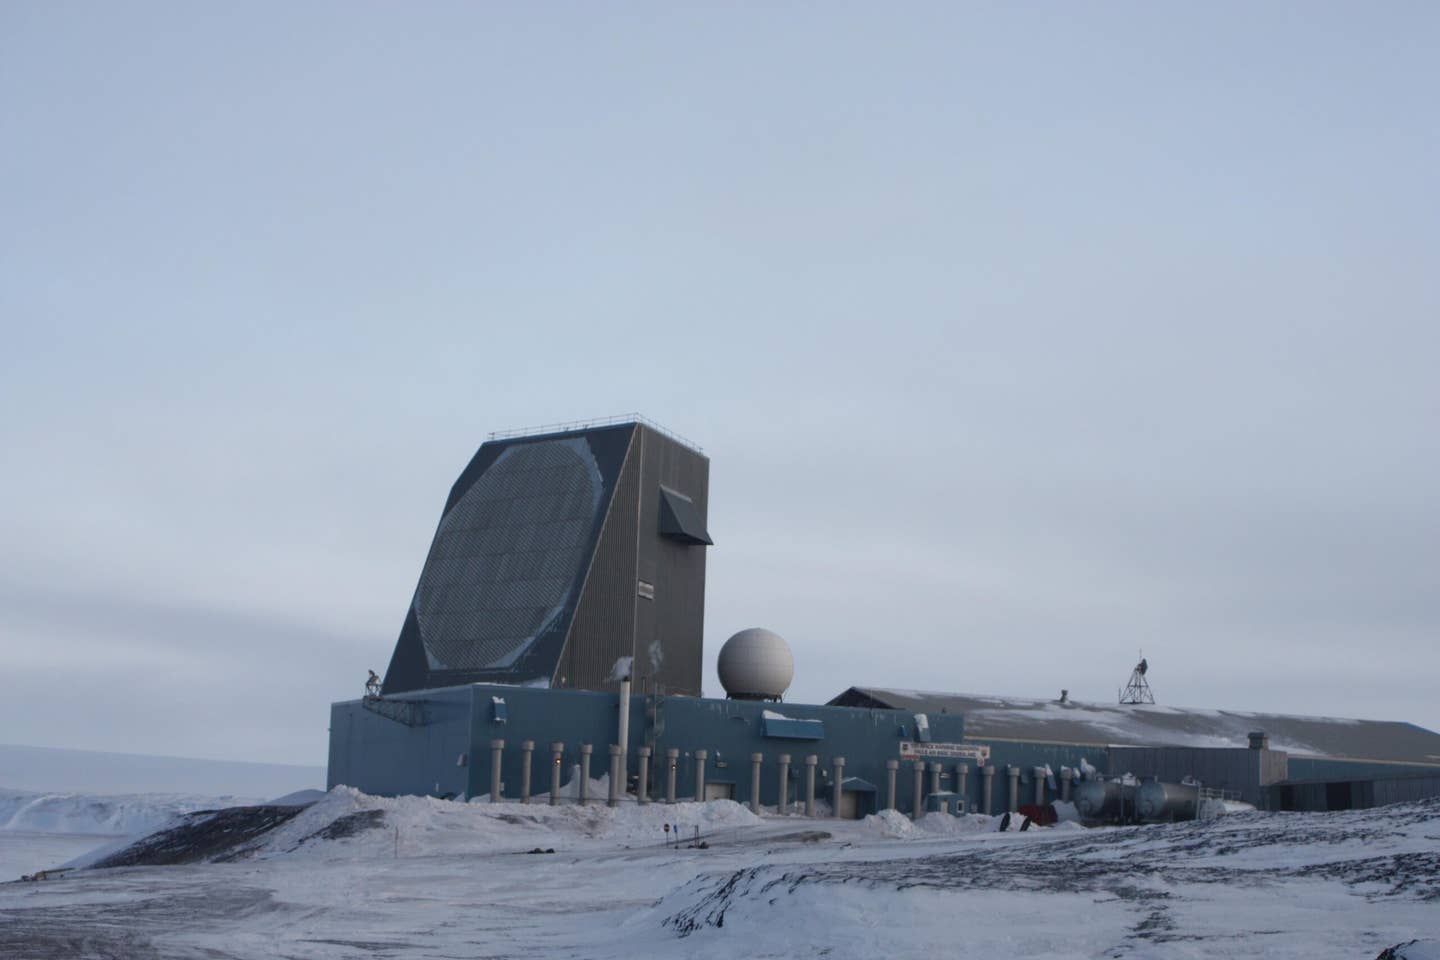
(1106, 800)
(755, 664)
(1098, 799)
(1166, 801)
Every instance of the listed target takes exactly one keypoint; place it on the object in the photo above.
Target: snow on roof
(1050, 721)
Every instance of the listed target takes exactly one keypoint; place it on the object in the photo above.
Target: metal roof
(1050, 721)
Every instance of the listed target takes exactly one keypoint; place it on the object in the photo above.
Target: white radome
(756, 664)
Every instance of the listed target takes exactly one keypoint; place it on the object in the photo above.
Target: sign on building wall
(978, 752)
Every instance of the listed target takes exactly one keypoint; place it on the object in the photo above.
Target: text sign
(978, 752)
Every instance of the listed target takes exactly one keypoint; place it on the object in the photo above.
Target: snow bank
(1413, 950)
(569, 790)
(297, 799)
(769, 911)
(125, 815)
(894, 825)
(890, 824)
(348, 823)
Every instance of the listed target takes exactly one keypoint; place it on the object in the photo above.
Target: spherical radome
(756, 664)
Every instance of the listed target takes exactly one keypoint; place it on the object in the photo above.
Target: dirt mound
(217, 835)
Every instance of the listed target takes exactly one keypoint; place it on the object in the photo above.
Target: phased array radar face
(552, 560)
(508, 555)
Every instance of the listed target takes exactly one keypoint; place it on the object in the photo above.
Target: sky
(1022, 338)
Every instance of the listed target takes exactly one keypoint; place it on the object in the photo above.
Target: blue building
(557, 624)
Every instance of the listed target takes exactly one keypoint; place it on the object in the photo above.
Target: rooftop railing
(573, 425)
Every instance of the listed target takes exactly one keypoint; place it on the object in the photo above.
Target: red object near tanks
(1041, 815)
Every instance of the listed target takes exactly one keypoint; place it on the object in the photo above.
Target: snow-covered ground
(23, 852)
(57, 804)
(39, 830)
(356, 876)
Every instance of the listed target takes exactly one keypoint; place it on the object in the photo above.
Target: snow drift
(348, 824)
(122, 815)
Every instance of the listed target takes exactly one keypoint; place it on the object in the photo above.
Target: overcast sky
(1021, 337)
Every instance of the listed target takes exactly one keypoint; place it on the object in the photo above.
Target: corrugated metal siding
(1239, 769)
(1408, 788)
(1341, 794)
(1318, 768)
(603, 629)
(1274, 766)
(669, 642)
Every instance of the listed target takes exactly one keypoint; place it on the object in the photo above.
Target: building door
(719, 791)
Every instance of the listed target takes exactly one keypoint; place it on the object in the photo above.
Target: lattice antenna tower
(1138, 689)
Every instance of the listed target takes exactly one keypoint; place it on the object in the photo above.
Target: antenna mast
(1138, 689)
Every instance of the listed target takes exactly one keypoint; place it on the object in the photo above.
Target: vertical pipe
(755, 760)
(934, 776)
(497, 748)
(617, 756)
(962, 776)
(1039, 774)
(987, 789)
(557, 751)
(623, 737)
(1012, 774)
(527, 754)
(837, 789)
(700, 758)
(642, 787)
(784, 792)
(810, 762)
(1066, 775)
(919, 789)
(672, 757)
(892, 768)
(585, 750)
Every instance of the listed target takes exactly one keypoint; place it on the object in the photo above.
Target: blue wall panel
(380, 755)
(449, 753)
